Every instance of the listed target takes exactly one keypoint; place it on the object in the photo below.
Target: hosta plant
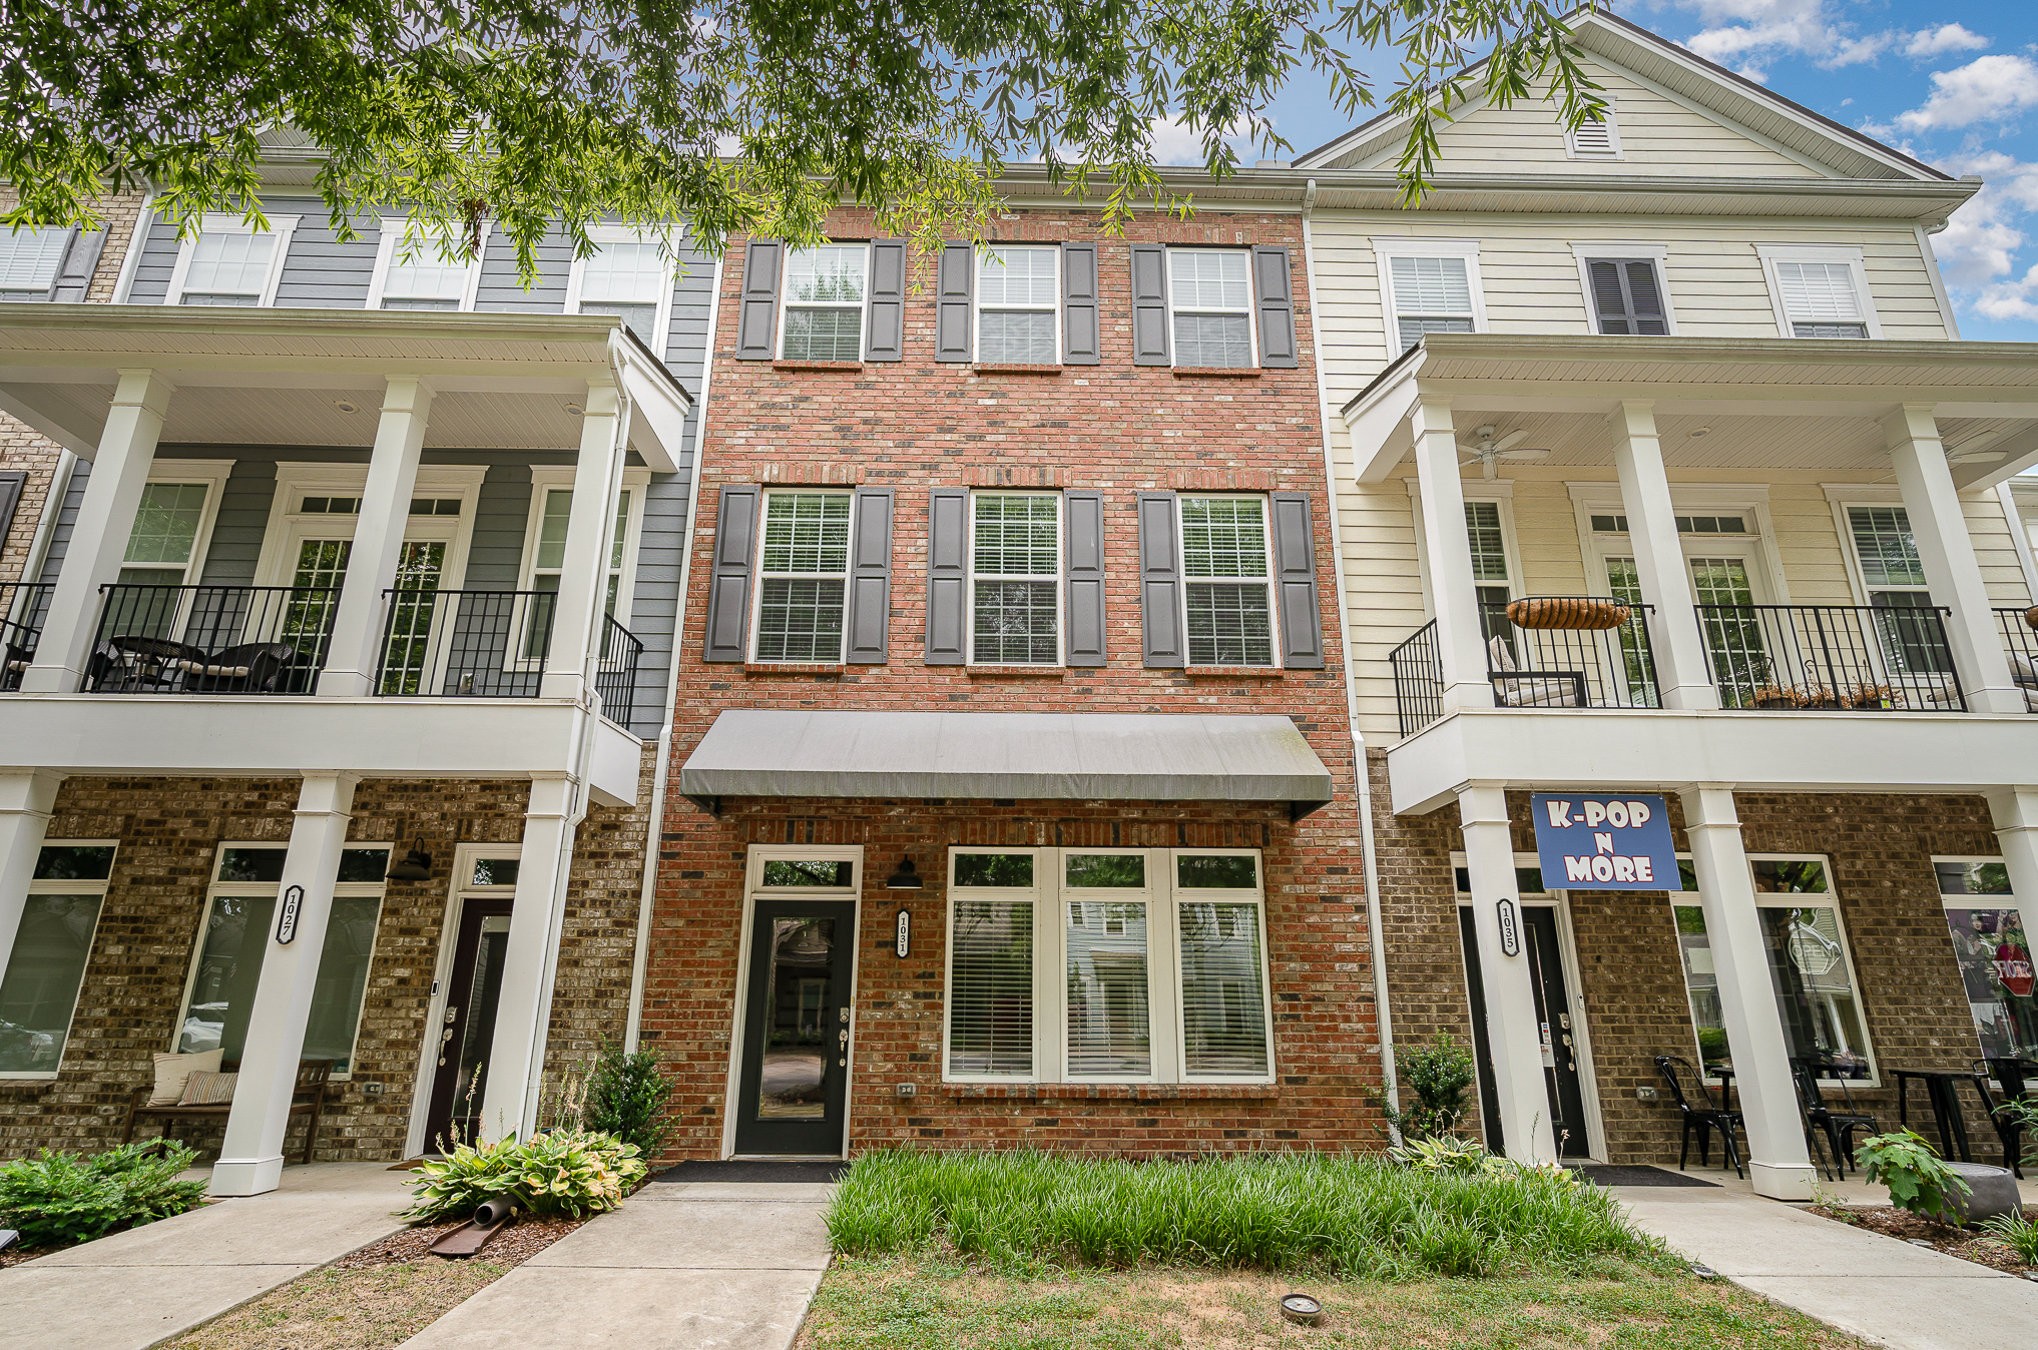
(57, 1198)
(1448, 1153)
(1918, 1179)
(557, 1174)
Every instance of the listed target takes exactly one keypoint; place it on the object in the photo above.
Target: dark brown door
(794, 1081)
(467, 1030)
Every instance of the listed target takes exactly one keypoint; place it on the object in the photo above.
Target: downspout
(52, 509)
(1361, 770)
(647, 895)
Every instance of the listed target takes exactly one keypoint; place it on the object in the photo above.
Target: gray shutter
(1273, 290)
(81, 260)
(757, 310)
(1083, 528)
(885, 333)
(954, 282)
(1626, 297)
(1160, 581)
(12, 485)
(870, 576)
(947, 576)
(1081, 333)
(1149, 306)
(1295, 581)
(729, 586)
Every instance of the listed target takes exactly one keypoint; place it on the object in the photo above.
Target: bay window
(46, 968)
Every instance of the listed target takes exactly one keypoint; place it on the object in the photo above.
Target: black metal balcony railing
(616, 677)
(22, 607)
(491, 644)
(1418, 679)
(211, 639)
(1819, 657)
(1570, 667)
(2020, 643)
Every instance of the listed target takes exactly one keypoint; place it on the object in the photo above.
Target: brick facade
(1880, 848)
(1116, 427)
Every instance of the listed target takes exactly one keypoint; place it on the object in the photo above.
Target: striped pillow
(209, 1089)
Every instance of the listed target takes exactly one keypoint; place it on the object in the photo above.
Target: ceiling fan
(1977, 452)
(1490, 452)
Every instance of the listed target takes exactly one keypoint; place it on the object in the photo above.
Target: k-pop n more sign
(1600, 842)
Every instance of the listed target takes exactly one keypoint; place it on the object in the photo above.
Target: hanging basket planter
(2031, 617)
(1576, 612)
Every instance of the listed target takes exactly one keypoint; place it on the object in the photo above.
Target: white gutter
(46, 523)
(1361, 770)
(648, 893)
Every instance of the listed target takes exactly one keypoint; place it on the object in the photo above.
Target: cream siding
(1995, 548)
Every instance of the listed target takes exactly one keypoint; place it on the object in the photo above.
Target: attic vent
(1595, 138)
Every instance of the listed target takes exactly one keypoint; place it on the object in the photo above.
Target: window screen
(1224, 563)
(1431, 295)
(803, 573)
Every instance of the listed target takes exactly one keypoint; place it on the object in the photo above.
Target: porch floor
(143, 1286)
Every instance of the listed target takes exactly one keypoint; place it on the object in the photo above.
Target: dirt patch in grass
(1908, 1227)
(380, 1295)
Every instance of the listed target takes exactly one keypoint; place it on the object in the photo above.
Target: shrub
(625, 1095)
(561, 1173)
(2015, 1232)
(57, 1198)
(1437, 1076)
(1917, 1179)
(1447, 1153)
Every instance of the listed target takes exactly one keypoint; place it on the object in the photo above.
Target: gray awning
(1034, 756)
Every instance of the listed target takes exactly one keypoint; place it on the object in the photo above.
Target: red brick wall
(919, 424)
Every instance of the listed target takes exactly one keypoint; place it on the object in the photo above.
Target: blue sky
(1952, 82)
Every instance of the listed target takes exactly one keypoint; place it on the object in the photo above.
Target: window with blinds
(1430, 295)
(1490, 577)
(627, 278)
(30, 259)
(824, 290)
(1015, 578)
(990, 988)
(229, 267)
(1210, 299)
(803, 576)
(1627, 297)
(1018, 297)
(1227, 594)
(419, 273)
(1821, 299)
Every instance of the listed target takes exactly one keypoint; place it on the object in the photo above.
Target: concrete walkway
(1883, 1290)
(681, 1266)
(140, 1287)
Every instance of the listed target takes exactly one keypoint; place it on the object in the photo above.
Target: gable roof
(1733, 98)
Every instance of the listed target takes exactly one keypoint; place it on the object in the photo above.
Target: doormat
(1602, 1174)
(819, 1170)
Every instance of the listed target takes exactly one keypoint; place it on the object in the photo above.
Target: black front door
(1562, 1075)
(793, 1084)
(467, 1030)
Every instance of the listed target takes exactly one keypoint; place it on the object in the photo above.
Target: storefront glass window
(1994, 955)
(39, 987)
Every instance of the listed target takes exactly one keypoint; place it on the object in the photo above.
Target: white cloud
(1947, 37)
(1175, 142)
(1986, 89)
(1978, 248)
(2011, 299)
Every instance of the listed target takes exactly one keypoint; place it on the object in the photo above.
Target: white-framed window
(414, 271)
(1992, 948)
(1107, 965)
(1429, 286)
(823, 300)
(803, 576)
(1210, 304)
(1015, 578)
(1596, 137)
(1018, 304)
(30, 259)
(240, 910)
(1811, 970)
(1489, 535)
(53, 944)
(1892, 580)
(1227, 581)
(1625, 293)
(630, 276)
(544, 552)
(230, 262)
(1820, 292)
(166, 544)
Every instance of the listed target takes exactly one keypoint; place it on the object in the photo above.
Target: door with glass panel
(1723, 587)
(317, 550)
(793, 1080)
(466, 1030)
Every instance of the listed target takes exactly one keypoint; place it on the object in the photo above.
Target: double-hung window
(1992, 948)
(1911, 634)
(629, 275)
(824, 296)
(413, 270)
(545, 553)
(240, 911)
(1210, 300)
(1820, 292)
(1492, 579)
(165, 548)
(46, 966)
(1018, 304)
(230, 262)
(1107, 965)
(1015, 578)
(1431, 286)
(1227, 578)
(30, 259)
(803, 576)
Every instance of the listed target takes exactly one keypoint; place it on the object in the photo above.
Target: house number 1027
(286, 915)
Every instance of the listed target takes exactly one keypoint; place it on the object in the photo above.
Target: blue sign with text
(1604, 842)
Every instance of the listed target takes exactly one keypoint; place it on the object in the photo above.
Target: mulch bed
(1908, 1227)
(513, 1246)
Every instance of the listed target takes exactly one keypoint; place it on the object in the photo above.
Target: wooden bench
(307, 1098)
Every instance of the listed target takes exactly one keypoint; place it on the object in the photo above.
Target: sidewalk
(1880, 1289)
(134, 1289)
(681, 1266)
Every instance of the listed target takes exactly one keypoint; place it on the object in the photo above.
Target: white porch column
(127, 447)
(2015, 811)
(1447, 548)
(590, 534)
(1674, 638)
(1778, 1163)
(1512, 1033)
(251, 1156)
(354, 655)
(1940, 528)
(516, 1059)
(26, 803)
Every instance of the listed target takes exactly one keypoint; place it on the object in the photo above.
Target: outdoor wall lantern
(903, 877)
(416, 866)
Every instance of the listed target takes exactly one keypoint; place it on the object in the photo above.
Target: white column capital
(1911, 422)
(1483, 804)
(32, 792)
(604, 398)
(148, 390)
(410, 394)
(1636, 417)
